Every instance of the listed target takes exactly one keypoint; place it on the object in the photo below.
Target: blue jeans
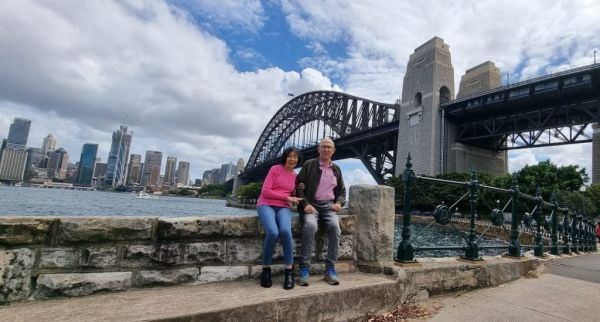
(277, 223)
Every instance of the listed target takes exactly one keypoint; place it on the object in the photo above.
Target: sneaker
(304, 273)
(331, 276)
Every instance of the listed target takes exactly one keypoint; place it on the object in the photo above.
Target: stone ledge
(99, 229)
(80, 284)
(26, 230)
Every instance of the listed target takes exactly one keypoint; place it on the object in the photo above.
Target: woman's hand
(294, 200)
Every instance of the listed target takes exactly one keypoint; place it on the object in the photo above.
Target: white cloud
(248, 15)
(79, 69)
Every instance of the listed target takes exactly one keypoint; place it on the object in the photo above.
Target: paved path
(568, 291)
(196, 302)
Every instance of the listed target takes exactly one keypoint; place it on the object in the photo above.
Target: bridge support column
(373, 208)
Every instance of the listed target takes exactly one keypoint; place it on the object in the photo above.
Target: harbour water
(27, 201)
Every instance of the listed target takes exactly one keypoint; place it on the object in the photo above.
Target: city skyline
(199, 80)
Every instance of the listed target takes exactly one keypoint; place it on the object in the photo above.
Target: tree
(551, 178)
(249, 193)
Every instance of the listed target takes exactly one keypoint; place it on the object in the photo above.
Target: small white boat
(144, 195)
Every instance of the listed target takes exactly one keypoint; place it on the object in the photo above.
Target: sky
(200, 79)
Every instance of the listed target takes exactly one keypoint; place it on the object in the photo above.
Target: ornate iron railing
(574, 232)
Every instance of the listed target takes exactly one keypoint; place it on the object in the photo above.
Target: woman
(273, 207)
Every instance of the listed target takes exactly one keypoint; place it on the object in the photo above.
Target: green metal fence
(574, 232)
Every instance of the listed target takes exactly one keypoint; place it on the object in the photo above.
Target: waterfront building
(116, 170)
(87, 165)
(134, 171)
(154, 180)
(18, 134)
(35, 159)
(227, 172)
(183, 173)
(153, 159)
(58, 161)
(100, 172)
(49, 144)
(198, 183)
(169, 179)
(12, 164)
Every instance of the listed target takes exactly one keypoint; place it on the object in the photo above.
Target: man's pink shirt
(279, 184)
(327, 183)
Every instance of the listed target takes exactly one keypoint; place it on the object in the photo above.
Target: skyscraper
(18, 134)
(227, 172)
(13, 156)
(153, 159)
(12, 164)
(134, 171)
(239, 167)
(58, 162)
(170, 172)
(116, 170)
(49, 143)
(183, 173)
(87, 164)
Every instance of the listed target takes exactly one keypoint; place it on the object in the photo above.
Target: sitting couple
(319, 192)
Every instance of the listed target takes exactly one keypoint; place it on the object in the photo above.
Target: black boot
(288, 280)
(265, 277)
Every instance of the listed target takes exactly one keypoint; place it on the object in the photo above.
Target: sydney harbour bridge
(443, 134)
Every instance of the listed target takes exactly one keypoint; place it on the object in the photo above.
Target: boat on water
(145, 195)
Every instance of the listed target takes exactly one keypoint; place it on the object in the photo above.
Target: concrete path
(568, 291)
(229, 301)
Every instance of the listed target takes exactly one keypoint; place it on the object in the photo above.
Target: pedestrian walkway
(241, 300)
(568, 291)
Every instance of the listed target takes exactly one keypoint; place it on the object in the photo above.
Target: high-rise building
(58, 161)
(134, 171)
(12, 164)
(87, 165)
(227, 172)
(153, 159)
(169, 179)
(49, 143)
(154, 180)
(18, 134)
(116, 170)
(183, 173)
(100, 171)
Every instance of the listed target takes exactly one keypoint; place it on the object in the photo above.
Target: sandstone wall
(43, 257)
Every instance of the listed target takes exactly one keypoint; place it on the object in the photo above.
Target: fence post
(575, 233)
(514, 248)
(539, 215)
(586, 235)
(554, 249)
(472, 250)
(406, 253)
(566, 231)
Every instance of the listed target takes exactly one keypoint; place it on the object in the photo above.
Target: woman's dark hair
(287, 152)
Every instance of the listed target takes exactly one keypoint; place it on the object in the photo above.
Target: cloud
(249, 15)
(79, 69)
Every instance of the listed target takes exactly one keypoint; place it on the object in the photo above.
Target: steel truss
(361, 129)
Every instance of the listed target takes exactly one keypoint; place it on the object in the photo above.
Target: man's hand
(309, 209)
(336, 207)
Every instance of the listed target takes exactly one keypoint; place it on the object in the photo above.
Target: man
(321, 187)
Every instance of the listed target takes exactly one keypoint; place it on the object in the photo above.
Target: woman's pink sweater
(279, 184)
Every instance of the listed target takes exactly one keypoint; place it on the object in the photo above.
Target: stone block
(205, 227)
(96, 229)
(204, 253)
(373, 207)
(210, 274)
(347, 224)
(57, 258)
(15, 274)
(80, 284)
(26, 230)
(244, 250)
(98, 257)
(148, 255)
(187, 228)
(167, 277)
(246, 226)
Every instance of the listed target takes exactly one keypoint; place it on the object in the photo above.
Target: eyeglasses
(326, 147)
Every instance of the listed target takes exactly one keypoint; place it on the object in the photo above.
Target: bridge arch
(349, 120)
